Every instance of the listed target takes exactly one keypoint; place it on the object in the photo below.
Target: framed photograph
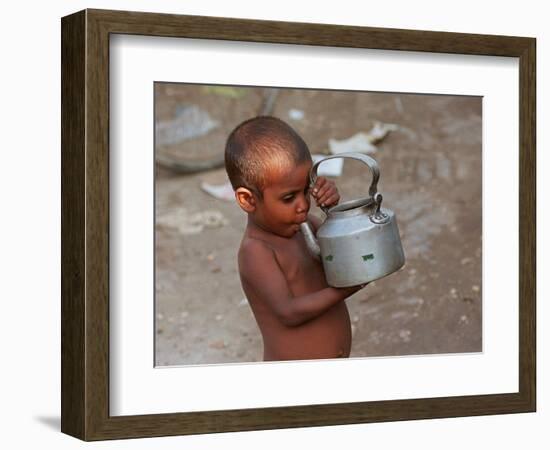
(172, 325)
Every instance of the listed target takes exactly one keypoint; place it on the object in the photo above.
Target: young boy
(299, 315)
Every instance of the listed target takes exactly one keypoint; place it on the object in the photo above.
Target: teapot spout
(311, 241)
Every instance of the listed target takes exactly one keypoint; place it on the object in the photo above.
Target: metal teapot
(359, 241)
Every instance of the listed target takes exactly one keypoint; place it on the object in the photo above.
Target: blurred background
(428, 148)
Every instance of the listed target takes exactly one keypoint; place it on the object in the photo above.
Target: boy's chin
(294, 228)
(282, 230)
(287, 232)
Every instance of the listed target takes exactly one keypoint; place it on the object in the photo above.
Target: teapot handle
(373, 165)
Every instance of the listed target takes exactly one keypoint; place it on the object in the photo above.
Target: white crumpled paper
(362, 142)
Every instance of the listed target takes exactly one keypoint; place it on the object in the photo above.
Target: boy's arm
(262, 275)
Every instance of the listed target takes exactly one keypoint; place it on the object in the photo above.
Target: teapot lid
(369, 205)
(352, 204)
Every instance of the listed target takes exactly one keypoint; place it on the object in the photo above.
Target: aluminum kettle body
(359, 241)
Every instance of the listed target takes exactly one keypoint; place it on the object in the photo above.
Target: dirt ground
(430, 176)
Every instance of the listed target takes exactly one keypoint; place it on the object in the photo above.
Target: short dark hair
(257, 146)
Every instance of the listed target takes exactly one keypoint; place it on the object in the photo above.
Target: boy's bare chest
(298, 265)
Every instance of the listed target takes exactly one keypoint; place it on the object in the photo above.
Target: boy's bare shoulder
(253, 244)
(253, 251)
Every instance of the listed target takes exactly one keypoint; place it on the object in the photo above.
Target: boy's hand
(353, 289)
(345, 292)
(325, 193)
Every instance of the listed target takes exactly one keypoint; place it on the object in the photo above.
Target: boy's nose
(303, 204)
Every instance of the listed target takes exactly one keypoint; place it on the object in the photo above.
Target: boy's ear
(246, 199)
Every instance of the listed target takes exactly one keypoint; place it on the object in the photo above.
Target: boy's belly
(327, 336)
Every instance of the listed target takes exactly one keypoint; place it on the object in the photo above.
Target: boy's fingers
(318, 184)
(328, 190)
(325, 198)
(322, 191)
(330, 199)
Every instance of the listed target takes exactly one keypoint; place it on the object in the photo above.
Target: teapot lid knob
(379, 216)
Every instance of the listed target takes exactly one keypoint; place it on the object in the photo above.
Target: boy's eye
(288, 198)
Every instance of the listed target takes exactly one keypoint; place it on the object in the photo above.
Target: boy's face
(285, 201)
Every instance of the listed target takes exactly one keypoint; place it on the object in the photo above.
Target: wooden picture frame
(85, 224)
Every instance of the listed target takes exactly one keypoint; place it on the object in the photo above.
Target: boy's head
(268, 165)
(260, 149)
